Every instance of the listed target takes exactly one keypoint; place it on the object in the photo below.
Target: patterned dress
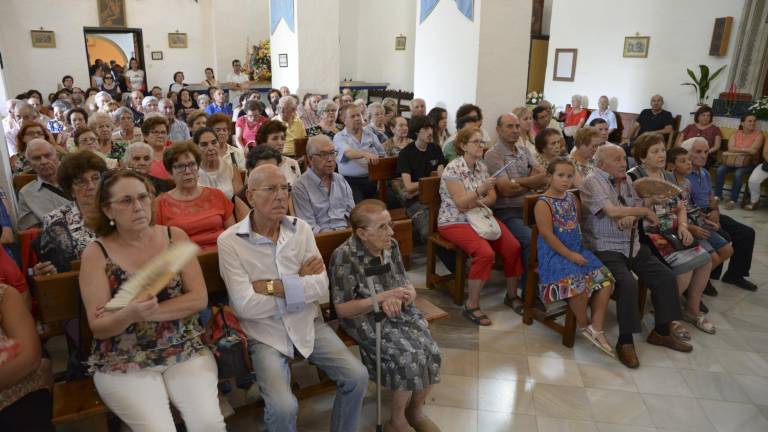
(146, 344)
(410, 358)
(559, 278)
(64, 237)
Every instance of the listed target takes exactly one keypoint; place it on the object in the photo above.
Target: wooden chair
(382, 172)
(58, 298)
(675, 129)
(300, 152)
(618, 133)
(399, 95)
(21, 180)
(327, 242)
(429, 195)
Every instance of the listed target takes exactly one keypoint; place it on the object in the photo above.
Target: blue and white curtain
(466, 7)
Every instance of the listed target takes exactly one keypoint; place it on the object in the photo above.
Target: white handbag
(482, 221)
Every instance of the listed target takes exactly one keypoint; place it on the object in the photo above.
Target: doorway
(114, 44)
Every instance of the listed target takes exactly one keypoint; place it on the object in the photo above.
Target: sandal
(481, 320)
(679, 331)
(516, 303)
(700, 321)
(598, 339)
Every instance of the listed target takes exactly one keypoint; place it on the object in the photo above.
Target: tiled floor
(512, 377)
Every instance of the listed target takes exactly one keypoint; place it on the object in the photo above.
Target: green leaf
(717, 72)
(704, 73)
(693, 76)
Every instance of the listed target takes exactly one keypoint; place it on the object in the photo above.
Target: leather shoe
(669, 341)
(710, 290)
(740, 282)
(627, 355)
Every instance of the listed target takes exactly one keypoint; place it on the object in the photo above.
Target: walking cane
(373, 270)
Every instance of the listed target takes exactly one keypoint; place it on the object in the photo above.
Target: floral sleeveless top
(37, 380)
(146, 344)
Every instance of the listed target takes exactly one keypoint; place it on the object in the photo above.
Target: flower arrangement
(261, 61)
(533, 98)
(760, 109)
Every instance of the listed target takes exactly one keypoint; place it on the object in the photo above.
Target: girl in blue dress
(567, 270)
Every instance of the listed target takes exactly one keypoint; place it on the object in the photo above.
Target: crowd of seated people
(109, 187)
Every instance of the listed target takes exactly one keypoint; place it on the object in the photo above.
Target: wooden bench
(550, 317)
(429, 195)
(384, 171)
(399, 95)
(21, 180)
(300, 152)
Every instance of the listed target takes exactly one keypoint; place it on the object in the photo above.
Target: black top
(419, 163)
(650, 122)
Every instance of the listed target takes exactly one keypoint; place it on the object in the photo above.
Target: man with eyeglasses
(178, 130)
(321, 197)
(23, 113)
(237, 81)
(357, 147)
(276, 279)
(42, 196)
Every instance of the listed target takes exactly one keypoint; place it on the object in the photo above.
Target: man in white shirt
(276, 279)
(238, 82)
(604, 113)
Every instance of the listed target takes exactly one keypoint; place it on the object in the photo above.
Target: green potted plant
(702, 82)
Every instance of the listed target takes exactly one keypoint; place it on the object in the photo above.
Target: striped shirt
(602, 233)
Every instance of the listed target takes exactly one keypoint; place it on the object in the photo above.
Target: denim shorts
(714, 242)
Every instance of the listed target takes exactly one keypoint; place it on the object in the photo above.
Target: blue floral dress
(560, 278)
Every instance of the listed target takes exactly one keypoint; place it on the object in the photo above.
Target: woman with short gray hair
(138, 157)
(149, 104)
(125, 132)
(377, 121)
(326, 111)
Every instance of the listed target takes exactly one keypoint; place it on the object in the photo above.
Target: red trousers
(481, 250)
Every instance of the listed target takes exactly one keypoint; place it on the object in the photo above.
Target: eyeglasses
(475, 141)
(34, 133)
(180, 168)
(273, 190)
(327, 155)
(383, 228)
(126, 202)
(81, 182)
(158, 132)
(221, 130)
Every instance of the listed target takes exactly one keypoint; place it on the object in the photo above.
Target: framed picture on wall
(400, 43)
(111, 13)
(43, 39)
(636, 46)
(177, 40)
(565, 64)
(283, 60)
(157, 55)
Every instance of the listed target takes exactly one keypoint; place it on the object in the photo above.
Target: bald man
(610, 211)
(655, 119)
(276, 280)
(42, 196)
(321, 196)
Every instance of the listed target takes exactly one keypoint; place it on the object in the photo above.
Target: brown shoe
(627, 355)
(670, 342)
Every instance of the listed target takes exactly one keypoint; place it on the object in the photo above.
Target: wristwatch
(270, 287)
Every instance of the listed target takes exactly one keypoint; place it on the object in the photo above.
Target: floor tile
(700, 358)
(619, 407)
(655, 380)
(547, 424)
(490, 421)
(459, 362)
(454, 391)
(611, 378)
(452, 419)
(503, 366)
(742, 363)
(608, 427)
(547, 344)
(723, 339)
(550, 370)
(506, 396)
(652, 355)
(714, 385)
(561, 402)
(677, 413)
(757, 341)
(756, 388)
(734, 417)
(502, 342)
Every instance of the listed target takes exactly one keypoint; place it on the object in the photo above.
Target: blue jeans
(513, 219)
(273, 375)
(738, 180)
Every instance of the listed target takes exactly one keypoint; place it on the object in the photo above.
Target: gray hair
(314, 141)
(690, 142)
(388, 101)
(136, 146)
(23, 104)
(164, 101)
(579, 98)
(372, 107)
(99, 117)
(600, 155)
(146, 101)
(116, 114)
(102, 97)
(285, 100)
(60, 104)
(324, 104)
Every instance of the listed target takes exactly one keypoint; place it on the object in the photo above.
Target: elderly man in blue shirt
(741, 236)
(321, 197)
(356, 147)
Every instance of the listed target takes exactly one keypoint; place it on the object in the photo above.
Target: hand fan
(153, 277)
(648, 187)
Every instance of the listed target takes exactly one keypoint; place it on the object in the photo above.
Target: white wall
(284, 41)
(446, 57)
(680, 33)
(318, 42)
(367, 34)
(237, 25)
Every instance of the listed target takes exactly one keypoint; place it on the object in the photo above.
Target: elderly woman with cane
(410, 362)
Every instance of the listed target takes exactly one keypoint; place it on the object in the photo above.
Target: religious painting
(177, 40)
(111, 13)
(636, 46)
(400, 43)
(43, 39)
(565, 64)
